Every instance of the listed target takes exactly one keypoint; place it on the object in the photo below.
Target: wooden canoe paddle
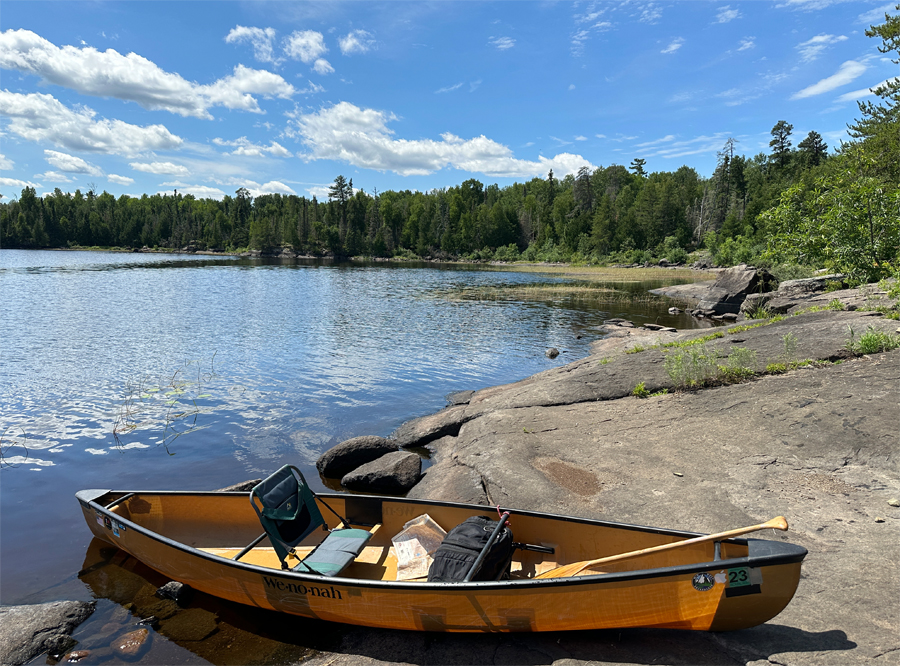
(567, 570)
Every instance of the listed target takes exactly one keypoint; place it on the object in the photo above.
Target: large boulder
(796, 294)
(732, 287)
(27, 631)
(395, 472)
(352, 453)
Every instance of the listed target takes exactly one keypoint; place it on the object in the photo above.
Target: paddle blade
(778, 523)
(564, 571)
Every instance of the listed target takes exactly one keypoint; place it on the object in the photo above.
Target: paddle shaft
(779, 523)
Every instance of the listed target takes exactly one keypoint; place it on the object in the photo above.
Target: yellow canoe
(193, 538)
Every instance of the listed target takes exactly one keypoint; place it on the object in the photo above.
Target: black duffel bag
(461, 547)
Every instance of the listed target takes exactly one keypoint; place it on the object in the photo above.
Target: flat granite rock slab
(27, 631)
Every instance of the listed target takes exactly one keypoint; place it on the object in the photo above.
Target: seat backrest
(286, 508)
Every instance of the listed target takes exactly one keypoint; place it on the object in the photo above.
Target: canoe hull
(682, 597)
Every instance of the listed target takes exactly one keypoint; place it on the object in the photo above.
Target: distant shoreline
(575, 271)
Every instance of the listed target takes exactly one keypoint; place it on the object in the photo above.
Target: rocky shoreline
(809, 430)
(811, 433)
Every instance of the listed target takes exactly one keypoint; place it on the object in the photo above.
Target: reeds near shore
(610, 273)
(553, 291)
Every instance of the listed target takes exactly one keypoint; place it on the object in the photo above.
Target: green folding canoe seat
(289, 512)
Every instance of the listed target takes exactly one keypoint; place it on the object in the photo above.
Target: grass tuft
(873, 341)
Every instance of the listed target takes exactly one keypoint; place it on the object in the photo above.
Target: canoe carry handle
(484, 551)
(109, 506)
(567, 570)
(534, 547)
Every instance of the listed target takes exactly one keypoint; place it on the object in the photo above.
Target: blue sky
(207, 97)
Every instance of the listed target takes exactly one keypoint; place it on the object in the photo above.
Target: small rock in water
(675, 311)
(151, 621)
(131, 644)
(74, 657)
(59, 646)
(179, 592)
(894, 501)
(677, 473)
(553, 352)
(879, 519)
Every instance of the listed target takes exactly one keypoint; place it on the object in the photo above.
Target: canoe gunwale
(774, 553)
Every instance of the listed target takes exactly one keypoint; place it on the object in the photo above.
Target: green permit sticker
(739, 577)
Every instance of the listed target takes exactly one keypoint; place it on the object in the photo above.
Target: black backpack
(461, 547)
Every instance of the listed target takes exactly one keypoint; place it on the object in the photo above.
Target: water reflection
(195, 372)
(206, 630)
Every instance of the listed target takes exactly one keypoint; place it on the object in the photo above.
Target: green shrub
(787, 271)
(739, 365)
(695, 341)
(641, 391)
(873, 341)
(507, 253)
(691, 366)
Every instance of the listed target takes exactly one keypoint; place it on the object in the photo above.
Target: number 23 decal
(738, 577)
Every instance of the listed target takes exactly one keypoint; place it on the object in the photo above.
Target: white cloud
(360, 137)
(876, 15)
(311, 89)
(600, 136)
(14, 182)
(846, 73)
(674, 45)
(747, 43)
(727, 14)
(571, 86)
(865, 92)
(198, 191)
(695, 146)
(244, 146)
(592, 15)
(738, 96)
(447, 89)
(813, 48)
(53, 177)
(70, 163)
(502, 43)
(580, 138)
(678, 98)
(561, 142)
(121, 180)
(305, 45)
(255, 189)
(161, 168)
(272, 187)
(319, 191)
(234, 92)
(473, 85)
(260, 38)
(665, 139)
(322, 66)
(42, 118)
(582, 35)
(651, 14)
(357, 41)
(5, 162)
(134, 78)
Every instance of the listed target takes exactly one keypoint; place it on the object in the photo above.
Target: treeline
(588, 216)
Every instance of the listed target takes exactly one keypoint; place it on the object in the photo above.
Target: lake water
(193, 372)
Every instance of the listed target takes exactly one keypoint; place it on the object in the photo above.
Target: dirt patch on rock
(571, 477)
